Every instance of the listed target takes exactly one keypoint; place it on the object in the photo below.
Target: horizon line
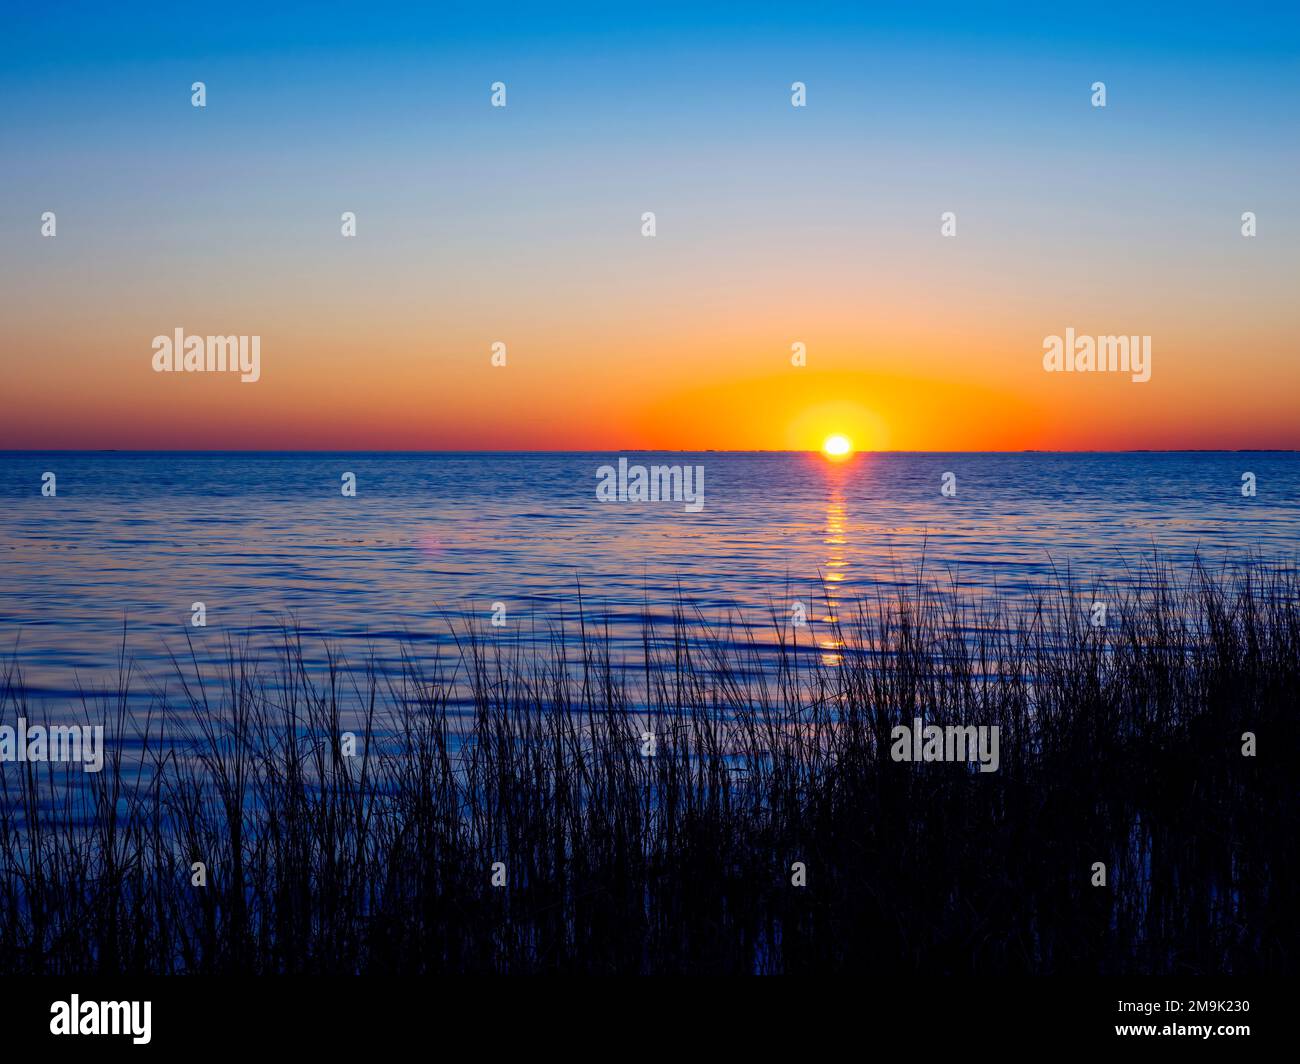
(623, 450)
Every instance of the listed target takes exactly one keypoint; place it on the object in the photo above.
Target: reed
(1120, 744)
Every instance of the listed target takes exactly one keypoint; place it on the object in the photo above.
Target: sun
(837, 447)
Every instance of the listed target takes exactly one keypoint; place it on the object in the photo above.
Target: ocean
(130, 542)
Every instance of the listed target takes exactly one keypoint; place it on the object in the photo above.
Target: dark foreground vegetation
(1120, 744)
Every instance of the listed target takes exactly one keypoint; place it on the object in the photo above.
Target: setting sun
(837, 447)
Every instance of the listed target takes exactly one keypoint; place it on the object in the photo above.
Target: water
(132, 540)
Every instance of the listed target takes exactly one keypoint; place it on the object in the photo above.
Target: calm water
(136, 538)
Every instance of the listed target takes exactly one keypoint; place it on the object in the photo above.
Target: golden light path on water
(835, 569)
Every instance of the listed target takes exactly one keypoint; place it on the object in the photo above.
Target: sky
(774, 225)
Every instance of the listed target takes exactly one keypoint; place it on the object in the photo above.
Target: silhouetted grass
(1120, 744)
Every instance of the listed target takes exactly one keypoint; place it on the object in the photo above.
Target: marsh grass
(1120, 744)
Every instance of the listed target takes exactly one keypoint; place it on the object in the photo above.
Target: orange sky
(667, 388)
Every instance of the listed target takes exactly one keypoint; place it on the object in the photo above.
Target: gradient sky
(775, 225)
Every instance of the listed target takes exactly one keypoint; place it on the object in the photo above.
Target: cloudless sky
(775, 224)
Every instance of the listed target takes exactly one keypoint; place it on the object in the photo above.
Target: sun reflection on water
(834, 574)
